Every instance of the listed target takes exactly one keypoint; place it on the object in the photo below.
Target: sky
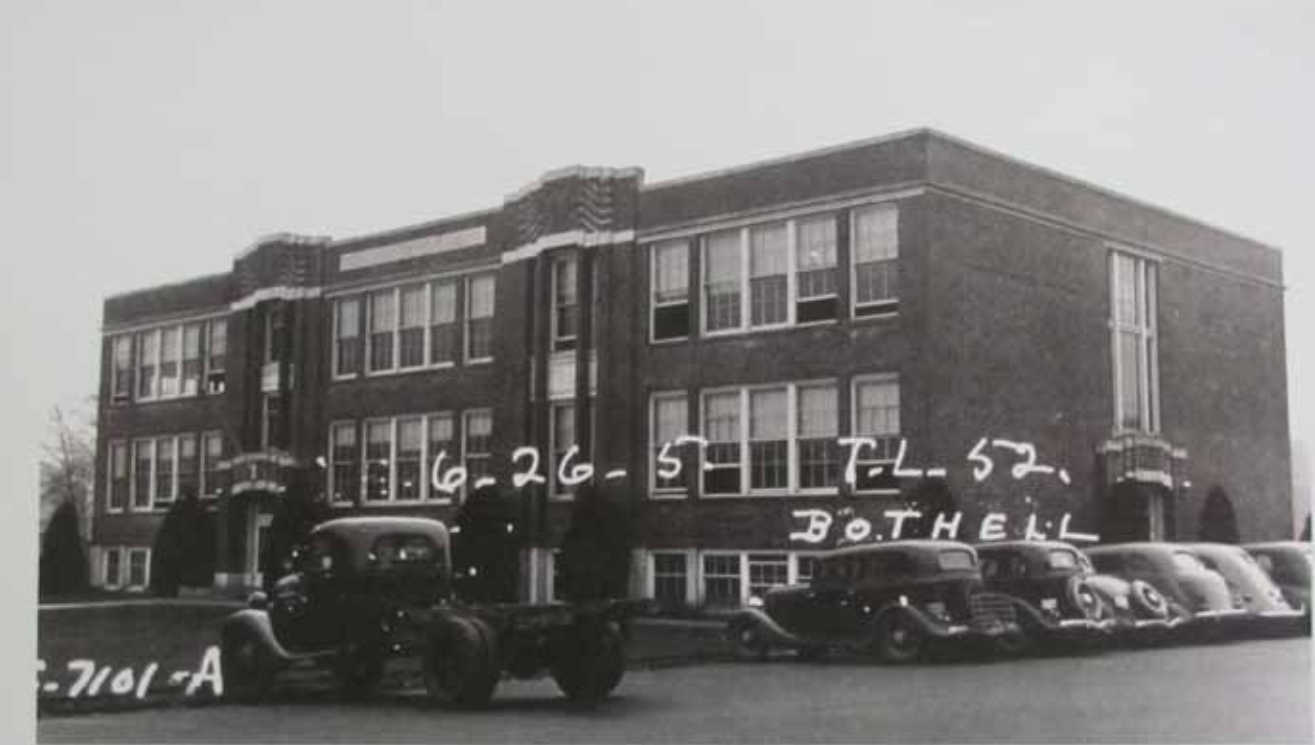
(147, 142)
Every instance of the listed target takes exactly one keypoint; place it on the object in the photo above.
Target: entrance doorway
(258, 537)
(1137, 511)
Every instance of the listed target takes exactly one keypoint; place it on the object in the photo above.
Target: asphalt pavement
(1249, 691)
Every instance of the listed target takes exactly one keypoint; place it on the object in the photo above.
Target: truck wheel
(247, 666)
(589, 668)
(899, 639)
(461, 665)
(358, 669)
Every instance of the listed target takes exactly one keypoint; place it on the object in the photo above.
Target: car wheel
(247, 665)
(461, 665)
(1149, 599)
(359, 668)
(899, 639)
(589, 667)
(749, 642)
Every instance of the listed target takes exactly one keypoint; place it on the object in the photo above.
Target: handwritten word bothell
(818, 524)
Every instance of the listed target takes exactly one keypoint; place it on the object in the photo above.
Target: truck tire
(247, 665)
(588, 664)
(461, 665)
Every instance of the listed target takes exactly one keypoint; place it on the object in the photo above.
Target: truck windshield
(404, 550)
(950, 560)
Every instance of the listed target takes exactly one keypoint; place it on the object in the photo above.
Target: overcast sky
(147, 142)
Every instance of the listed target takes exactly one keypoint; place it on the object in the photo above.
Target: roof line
(339, 242)
(165, 285)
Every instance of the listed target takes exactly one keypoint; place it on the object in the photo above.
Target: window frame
(206, 489)
(653, 574)
(469, 319)
(358, 338)
(854, 383)
(109, 475)
(678, 245)
(146, 568)
(466, 416)
(568, 263)
(1146, 290)
(854, 304)
(121, 375)
(654, 446)
(556, 491)
(117, 552)
(331, 471)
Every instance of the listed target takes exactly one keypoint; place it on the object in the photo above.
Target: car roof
(1139, 547)
(1216, 549)
(1278, 546)
(374, 525)
(1046, 545)
(918, 545)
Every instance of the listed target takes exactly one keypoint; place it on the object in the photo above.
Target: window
(670, 290)
(218, 355)
(1134, 307)
(815, 254)
(443, 322)
(669, 579)
(563, 437)
(378, 459)
(412, 332)
(345, 460)
(347, 337)
(723, 269)
(818, 428)
(139, 560)
(113, 570)
(143, 457)
(876, 255)
(721, 427)
(276, 332)
(191, 359)
(479, 318)
(383, 317)
(148, 353)
(188, 467)
(410, 441)
(769, 272)
(566, 305)
(807, 569)
(767, 571)
(164, 470)
(670, 420)
(170, 351)
(442, 440)
(769, 439)
(213, 452)
(121, 368)
(876, 415)
(721, 579)
(118, 491)
(271, 421)
(478, 445)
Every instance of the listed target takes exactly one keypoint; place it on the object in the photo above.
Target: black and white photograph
(619, 372)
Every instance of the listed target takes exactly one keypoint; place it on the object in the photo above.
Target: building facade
(764, 362)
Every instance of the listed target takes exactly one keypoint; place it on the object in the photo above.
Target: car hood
(1205, 590)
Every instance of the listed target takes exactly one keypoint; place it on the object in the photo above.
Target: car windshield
(955, 559)
(1062, 558)
(403, 550)
(1185, 562)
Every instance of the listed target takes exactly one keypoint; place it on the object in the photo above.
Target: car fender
(257, 623)
(773, 632)
(930, 626)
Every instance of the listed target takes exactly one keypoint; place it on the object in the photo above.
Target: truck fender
(771, 630)
(256, 622)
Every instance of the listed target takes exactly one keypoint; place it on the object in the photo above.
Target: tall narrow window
(143, 473)
(164, 470)
(276, 331)
(118, 496)
(876, 415)
(412, 333)
(139, 560)
(769, 439)
(148, 356)
(876, 259)
(442, 442)
(383, 318)
(563, 437)
(170, 351)
(217, 359)
(671, 290)
(769, 268)
(669, 581)
(191, 359)
(723, 269)
(121, 372)
(113, 568)
(213, 452)
(815, 249)
(346, 457)
(819, 456)
(479, 318)
(670, 420)
(479, 445)
(347, 337)
(379, 460)
(410, 440)
(443, 322)
(721, 580)
(271, 430)
(188, 468)
(566, 304)
(721, 427)
(1134, 307)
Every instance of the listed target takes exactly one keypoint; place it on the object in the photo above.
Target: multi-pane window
(170, 351)
(769, 439)
(118, 491)
(164, 470)
(721, 579)
(670, 420)
(818, 427)
(806, 569)
(347, 337)
(113, 576)
(769, 272)
(378, 459)
(212, 449)
(217, 355)
(412, 326)
(143, 461)
(671, 290)
(443, 322)
(723, 269)
(188, 468)
(479, 317)
(767, 571)
(563, 437)
(442, 441)
(565, 303)
(138, 563)
(148, 355)
(876, 415)
(410, 456)
(478, 443)
(721, 428)
(815, 261)
(876, 259)
(669, 578)
(191, 359)
(383, 317)
(1134, 307)
(121, 370)
(345, 462)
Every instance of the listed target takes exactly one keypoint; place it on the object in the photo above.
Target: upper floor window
(344, 463)
(148, 358)
(478, 444)
(562, 431)
(443, 342)
(191, 359)
(1134, 307)
(769, 273)
(670, 272)
(877, 416)
(383, 316)
(170, 351)
(118, 470)
(479, 317)
(217, 359)
(876, 259)
(121, 370)
(670, 420)
(412, 331)
(815, 251)
(212, 453)
(347, 336)
(565, 302)
(168, 361)
(143, 473)
(723, 270)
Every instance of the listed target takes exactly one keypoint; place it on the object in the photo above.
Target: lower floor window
(113, 568)
(721, 579)
(138, 566)
(767, 571)
(669, 583)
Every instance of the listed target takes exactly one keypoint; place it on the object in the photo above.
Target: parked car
(1054, 598)
(362, 590)
(1288, 563)
(1197, 596)
(893, 598)
(1139, 611)
(1246, 579)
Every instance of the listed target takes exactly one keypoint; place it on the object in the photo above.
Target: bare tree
(68, 462)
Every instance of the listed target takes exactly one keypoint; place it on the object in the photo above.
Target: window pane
(479, 327)
(1130, 373)
(409, 444)
(721, 422)
(876, 281)
(481, 296)
(767, 571)
(169, 354)
(443, 302)
(876, 233)
(563, 437)
(413, 326)
(723, 272)
(671, 272)
(670, 420)
(479, 432)
(348, 358)
(218, 345)
(346, 466)
(721, 580)
(378, 454)
(143, 457)
(148, 348)
(669, 579)
(122, 366)
(768, 264)
(768, 430)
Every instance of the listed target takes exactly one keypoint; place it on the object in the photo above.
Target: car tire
(247, 665)
(359, 668)
(1149, 599)
(588, 664)
(461, 664)
(749, 642)
(899, 639)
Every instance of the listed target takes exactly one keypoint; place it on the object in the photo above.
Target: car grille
(990, 610)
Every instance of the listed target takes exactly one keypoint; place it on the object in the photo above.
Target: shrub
(63, 564)
(1218, 521)
(184, 550)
